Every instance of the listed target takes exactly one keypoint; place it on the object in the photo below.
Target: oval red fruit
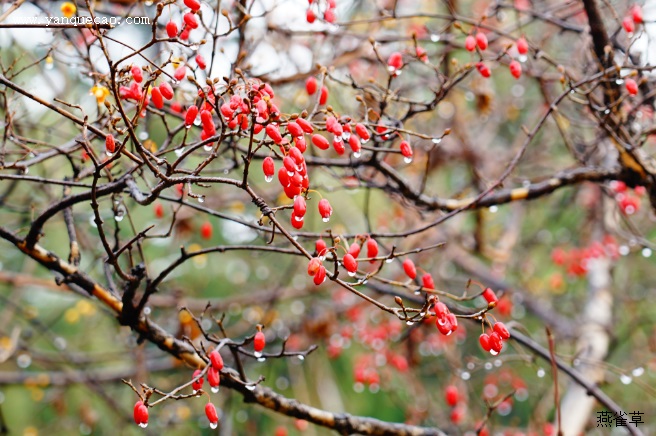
(212, 416)
(110, 144)
(631, 86)
(522, 46)
(451, 395)
(206, 230)
(481, 40)
(515, 69)
(259, 341)
(171, 29)
(320, 142)
(311, 85)
(350, 263)
(409, 268)
(324, 95)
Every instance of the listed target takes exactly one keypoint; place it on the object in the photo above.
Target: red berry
(522, 46)
(299, 206)
(395, 61)
(159, 210)
(372, 248)
(110, 144)
(194, 5)
(350, 264)
(313, 266)
(156, 97)
(320, 142)
(501, 330)
(490, 296)
(274, 133)
(294, 129)
(325, 210)
(470, 43)
(259, 341)
(166, 90)
(329, 15)
(631, 86)
(320, 276)
(212, 416)
(269, 168)
(451, 395)
(481, 40)
(484, 340)
(441, 309)
(200, 61)
(191, 115)
(311, 85)
(483, 69)
(457, 414)
(324, 95)
(141, 414)
(422, 54)
(338, 145)
(310, 17)
(297, 222)
(320, 247)
(628, 24)
(354, 143)
(305, 125)
(427, 281)
(515, 69)
(136, 73)
(636, 14)
(171, 29)
(213, 378)
(406, 149)
(354, 249)
(206, 230)
(190, 20)
(216, 360)
(198, 384)
(362, 132)
(409, 268)
(180, 72)
(495, 343)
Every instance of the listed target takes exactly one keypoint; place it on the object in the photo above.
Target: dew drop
(390, 260)
(465, 375)
(619, 81)
(626, 379)
(119, 217)
(187, 126)
(541, 372)
(208, 147)
(291, 173)
(417, 292)
(257, 354)
(250, 387)
(437, 140)
(488, 366)
(109, 154)
(261, 359)
(179, 151)
(435, 37)
(346, 136)
(301, 357)
(646, 252)
(357, 154)
(407, 160)
(194, 392)
(201, 199)
(494, 353)
(298, 218)
(637, 372)
(268, 179)
(143, 425)
(523, 58)
(607, 111)
(214, 425)
(449, 334)
(422, 314)
(351, 274)
(325, 220)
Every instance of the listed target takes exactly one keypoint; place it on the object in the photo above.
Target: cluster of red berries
(576, 260)
(315, 8)
(634, 17)
(190, 22)
(446, 321)
(479, 40)
(494, 341)
(213, 379)
(628, 203)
